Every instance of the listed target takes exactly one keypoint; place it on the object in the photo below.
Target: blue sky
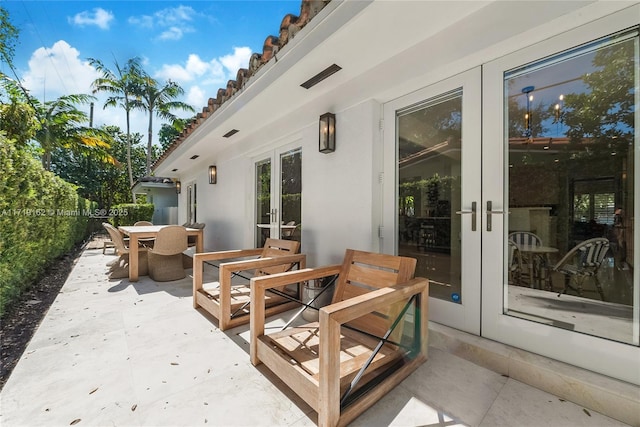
(198, 44)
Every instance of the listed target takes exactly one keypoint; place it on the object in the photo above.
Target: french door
(432, 170)
(560, 145)
(278, 191)
(519, 205)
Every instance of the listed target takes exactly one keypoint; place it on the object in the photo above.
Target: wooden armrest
(334, 315)
(283, 279)
(262, 262)
(353, 308)
(214, 256)
(200, 258)
(258, 288)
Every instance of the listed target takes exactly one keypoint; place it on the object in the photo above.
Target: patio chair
(583, 261)
(119, 268)
(229, 303)
(287, 233)
(372, 336)
(191, 240)
(148, 242)
(514, 263)
(524, 239)
(165, 258)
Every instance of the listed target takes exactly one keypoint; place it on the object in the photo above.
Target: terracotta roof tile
(289, 27)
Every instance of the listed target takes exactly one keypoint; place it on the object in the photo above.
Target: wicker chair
(581, 262)
(147, 242)
(191, 240)
(119, 268)
(165, 258)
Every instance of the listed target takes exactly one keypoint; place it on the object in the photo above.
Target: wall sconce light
(178, 187)
(213, 174)
(327, 133)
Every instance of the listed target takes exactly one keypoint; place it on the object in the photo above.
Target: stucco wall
(338, 195)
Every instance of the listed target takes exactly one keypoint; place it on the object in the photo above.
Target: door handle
(491, 212)
(473, 215)
(273, 215)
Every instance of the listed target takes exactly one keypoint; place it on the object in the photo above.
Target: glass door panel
(291, 195)
(571, 141)
(278, 192)
(560, 145)
(429, 144)
(263, 201)
(435, 141)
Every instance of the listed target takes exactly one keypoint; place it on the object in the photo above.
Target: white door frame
(601, 355)
(464, 316)
(275, 231)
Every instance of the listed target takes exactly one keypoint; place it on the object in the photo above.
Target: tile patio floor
(138, 354)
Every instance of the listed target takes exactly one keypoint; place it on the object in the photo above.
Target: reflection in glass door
(429, 144)
(560, 146)
(263, 201)
(279, 214)
(437, 192)
(571, 161)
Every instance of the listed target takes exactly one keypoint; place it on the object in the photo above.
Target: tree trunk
(149, 143)
(133, 195)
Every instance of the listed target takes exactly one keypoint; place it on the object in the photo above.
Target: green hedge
(41, 218)
(130, 213)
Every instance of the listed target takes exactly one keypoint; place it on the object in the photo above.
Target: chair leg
(567, 285)
(599, 287)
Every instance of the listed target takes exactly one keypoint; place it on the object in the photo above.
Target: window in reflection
(572, 123)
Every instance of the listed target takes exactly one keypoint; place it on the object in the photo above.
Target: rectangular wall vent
(332, 69)
(230, 133)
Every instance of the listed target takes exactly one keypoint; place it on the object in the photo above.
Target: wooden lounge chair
(229, 303)
(372, 336)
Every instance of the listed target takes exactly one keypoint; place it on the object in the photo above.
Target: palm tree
(62, 125)
(159, 102)
(123, 84)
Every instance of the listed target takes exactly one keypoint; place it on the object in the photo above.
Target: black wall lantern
(178, 187)
(327, 133)
(213, 174)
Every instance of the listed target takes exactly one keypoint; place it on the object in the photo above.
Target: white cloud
(144, 21)
(196, 97)
(174, 33)
(99, 17)
(174, 22)
(57, 71)
(238, 59)
(213, 74)
(174, 15)
(197, 65)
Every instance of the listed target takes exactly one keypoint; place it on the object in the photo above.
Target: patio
(121, 353)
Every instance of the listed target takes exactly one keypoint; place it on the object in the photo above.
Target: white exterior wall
(338, 190)
(383, 59)
(339, 195)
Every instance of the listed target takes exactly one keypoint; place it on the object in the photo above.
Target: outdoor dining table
(539, 263)
(135, 233)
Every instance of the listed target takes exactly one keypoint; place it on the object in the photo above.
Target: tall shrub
(41, 218)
